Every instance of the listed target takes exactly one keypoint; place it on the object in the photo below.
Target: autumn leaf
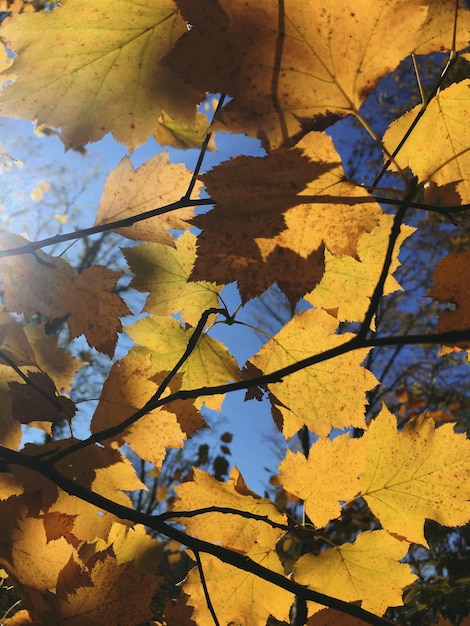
(210, 363)
(126, 390)
(287, 207)
(104, 470)
(133, 544)
(416, 474)
(442, 165)
(341, 460)
(128, 193)
(119, 592)
(285, 66)
(437, 32)
(238, 597)
(164, 272)
(348, 283)
(330, 617)
(451, 285)
(48, 285)
(327, 395)
(366, 570)
(169, 132)
(10, 429)
(93, 67)
(37, 400)
(233, 531)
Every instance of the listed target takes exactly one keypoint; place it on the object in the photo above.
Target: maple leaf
(120, 593)
(331, 210)
(341, 460)
(330, 617)
(48, 285)
(210, 363)
(311, 396)
(164, 272)
(128, 193)
(365, 570)
(101, 469)
(442, 165)
(418, 473)
(233, 531)
(126, 390)
(451, 285)
(286, 207)
(284, 64)
(10, 429)
(133, 544)
(24, 550)
(238, 597)
(437, 32)
(93, 67)
(348, 283)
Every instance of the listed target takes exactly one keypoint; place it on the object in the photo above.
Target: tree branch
(225, 555)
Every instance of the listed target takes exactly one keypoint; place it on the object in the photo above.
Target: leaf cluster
(345, 526)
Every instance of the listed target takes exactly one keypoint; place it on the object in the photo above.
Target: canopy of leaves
(343, 521)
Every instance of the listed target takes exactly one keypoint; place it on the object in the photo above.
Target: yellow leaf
(128, 192)
(120, 593)
(170, 132)
(133, 544)
(348, 283)
(238, 597)
(106, 60)
(336, 212)
(233, 531)
(164, 272)
(365, 570)
(437, 32)
(209, 364)
(443, 162)
(285, 65)
(418, 473)
(126, 390)
(331, 394)
(341, 459)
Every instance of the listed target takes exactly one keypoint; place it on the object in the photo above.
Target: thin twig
(31, 246)
(202, 152)
(394, 234)
(356, 343)
(205, 589)
(154, 400)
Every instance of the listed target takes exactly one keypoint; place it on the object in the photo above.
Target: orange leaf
(452, 285)
(285, 66)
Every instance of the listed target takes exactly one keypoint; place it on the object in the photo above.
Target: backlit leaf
(285, 64)
(366, 570)
(164, 272)
(129, 192)
(92, 67)
(327, 395)
(445, 162)
(418, 473)
(238, 597)
(341, 459)
(210, 363)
